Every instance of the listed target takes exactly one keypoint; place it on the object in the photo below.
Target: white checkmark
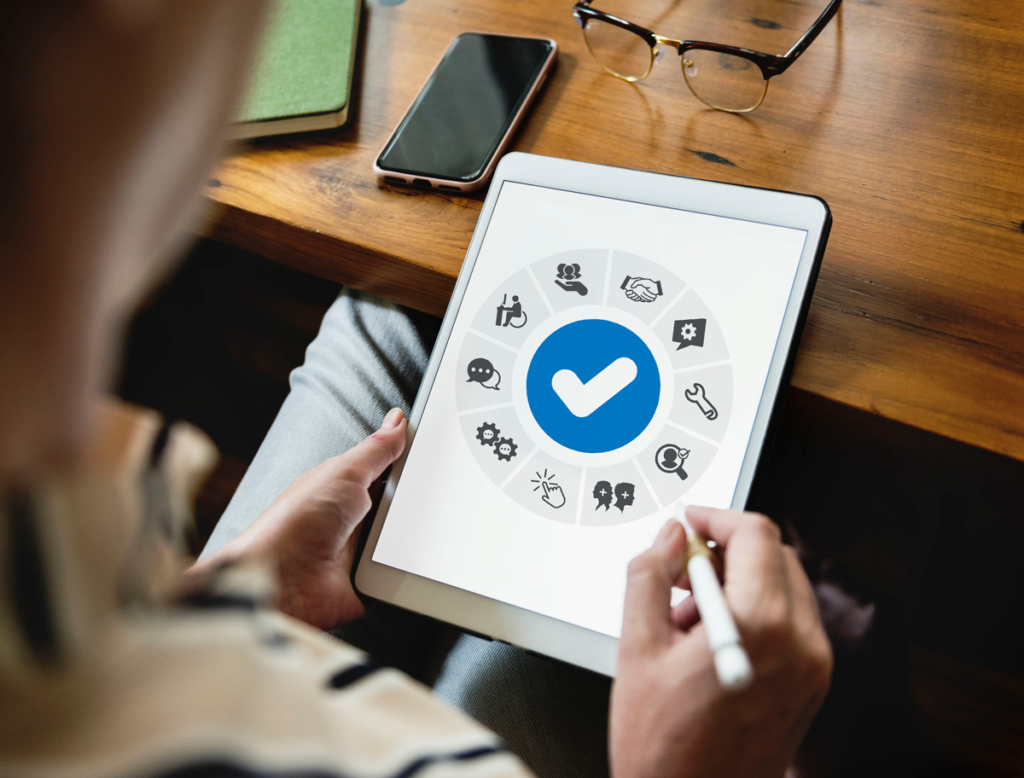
(582, 399)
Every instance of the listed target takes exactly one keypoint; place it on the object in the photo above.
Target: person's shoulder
(254, 693)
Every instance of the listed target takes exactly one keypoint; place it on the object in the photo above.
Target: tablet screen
(607, 360)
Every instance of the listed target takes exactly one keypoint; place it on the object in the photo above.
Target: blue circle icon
(593, 386)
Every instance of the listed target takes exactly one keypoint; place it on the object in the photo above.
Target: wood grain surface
(907, 117)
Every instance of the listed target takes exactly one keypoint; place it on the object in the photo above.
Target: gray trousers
(369, 357)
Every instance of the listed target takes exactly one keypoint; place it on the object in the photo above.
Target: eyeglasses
(727, 78)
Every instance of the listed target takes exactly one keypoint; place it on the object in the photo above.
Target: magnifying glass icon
(670, 459)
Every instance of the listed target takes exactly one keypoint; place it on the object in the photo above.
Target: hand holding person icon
(569, 276)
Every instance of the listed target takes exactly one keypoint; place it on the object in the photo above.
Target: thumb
(365, 462)
(646, 620)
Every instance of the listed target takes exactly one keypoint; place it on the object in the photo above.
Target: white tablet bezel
(500, 621)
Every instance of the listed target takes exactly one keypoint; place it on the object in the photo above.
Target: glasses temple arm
(808, 37)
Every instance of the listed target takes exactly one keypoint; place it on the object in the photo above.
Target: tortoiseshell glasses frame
(695, 57)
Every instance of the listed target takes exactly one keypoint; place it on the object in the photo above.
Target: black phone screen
(465, 109)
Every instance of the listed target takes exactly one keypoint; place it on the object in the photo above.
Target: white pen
(731, 662)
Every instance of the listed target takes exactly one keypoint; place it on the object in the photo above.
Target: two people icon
(623, 493)
(514, 315)
(670, 458)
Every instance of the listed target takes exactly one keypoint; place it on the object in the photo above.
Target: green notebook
(302, 77)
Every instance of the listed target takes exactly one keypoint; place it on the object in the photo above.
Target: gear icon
(688, 331)
(487, 433)
(505, 449)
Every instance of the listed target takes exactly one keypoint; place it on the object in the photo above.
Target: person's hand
(670, 717)
(310, 532)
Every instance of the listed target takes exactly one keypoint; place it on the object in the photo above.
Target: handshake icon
(641, 290)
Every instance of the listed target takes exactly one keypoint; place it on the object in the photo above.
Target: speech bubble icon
(689, 332)
(481, 371)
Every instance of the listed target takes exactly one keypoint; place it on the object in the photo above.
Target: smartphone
(462, 120)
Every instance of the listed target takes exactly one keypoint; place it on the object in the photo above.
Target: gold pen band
(697, 545)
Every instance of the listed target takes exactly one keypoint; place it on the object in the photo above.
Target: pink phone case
(388, 177)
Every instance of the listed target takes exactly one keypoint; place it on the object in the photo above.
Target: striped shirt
(105, 671)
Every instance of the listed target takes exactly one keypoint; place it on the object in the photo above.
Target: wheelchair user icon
(514, 315)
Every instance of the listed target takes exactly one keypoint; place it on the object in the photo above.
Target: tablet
(616, 342)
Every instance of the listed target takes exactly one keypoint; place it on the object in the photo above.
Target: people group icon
(510, 315)
(569, 279)
(623, 494)
(670, 458)
(481, 371)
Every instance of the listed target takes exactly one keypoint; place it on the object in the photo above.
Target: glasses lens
(724, 81)
(623, 53)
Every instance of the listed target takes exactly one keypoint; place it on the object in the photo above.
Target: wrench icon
(697, 397)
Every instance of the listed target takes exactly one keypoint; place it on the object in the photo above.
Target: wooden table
(907, 117)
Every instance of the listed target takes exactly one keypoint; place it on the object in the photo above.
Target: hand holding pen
(732, 665)
(671, 714)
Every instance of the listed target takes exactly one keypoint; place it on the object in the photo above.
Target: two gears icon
(489, 435)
